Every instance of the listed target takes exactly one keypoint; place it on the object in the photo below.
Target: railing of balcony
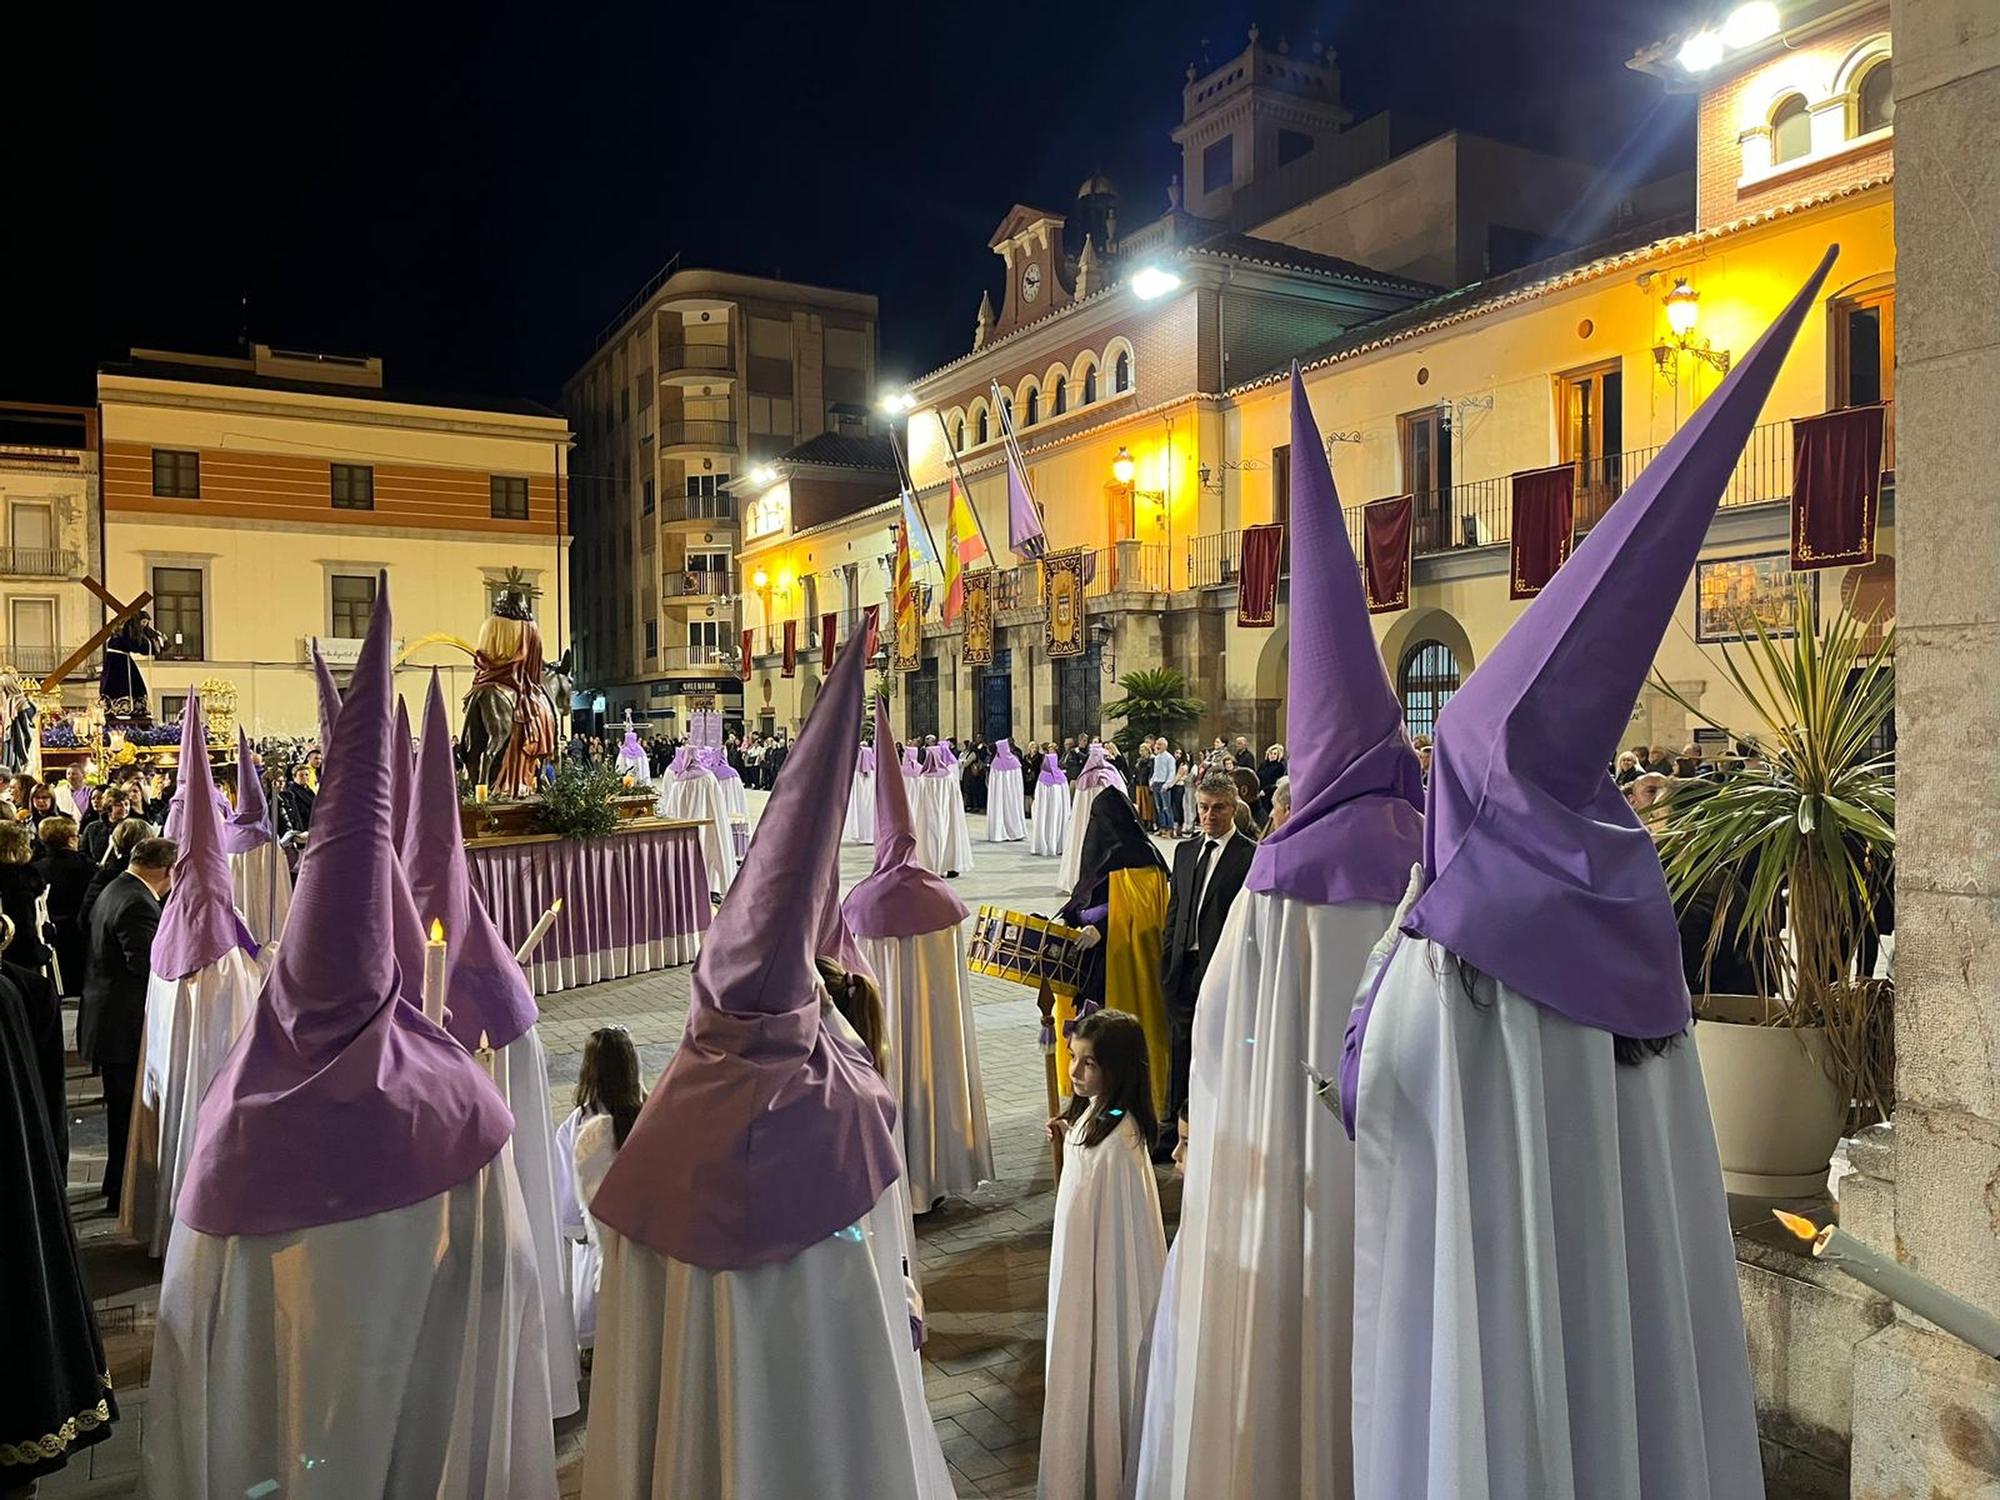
(38, 562)
(698, 658)
(706, 357)
(1129, 569)
(711, 583)
(697, 433)
(717, 507)
(39, 661)
(1213, 559)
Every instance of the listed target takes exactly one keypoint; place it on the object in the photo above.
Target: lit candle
(538, 932)
(1926, 1299)
(486, 1057)
(479, 792)
(434, 973)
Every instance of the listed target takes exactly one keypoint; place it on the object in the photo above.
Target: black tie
(1200, 878)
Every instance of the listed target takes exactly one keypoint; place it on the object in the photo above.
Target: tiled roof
(1261, 252)
(834, 450)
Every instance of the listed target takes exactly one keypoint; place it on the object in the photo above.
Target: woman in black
(66, 872)
(21, 884)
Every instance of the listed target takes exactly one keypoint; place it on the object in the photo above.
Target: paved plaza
(985, 1259)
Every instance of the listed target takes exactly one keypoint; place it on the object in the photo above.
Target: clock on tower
(1030, 241)
(1031, 281)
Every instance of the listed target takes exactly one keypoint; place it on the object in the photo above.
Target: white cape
(190, 1026)
(521, 1068)
(1006, 817)
(580, 1272)
(698, 799)
(860, 828)
(261, 882)
(1051, 821)
(1150, 1449)
(1542, 1257)
(735, 800)
(1072, 851)
(944, 842)
(934, 1067)
(398, 1355)
(1262, 1316)
(1105, 1263)
(792, 1381)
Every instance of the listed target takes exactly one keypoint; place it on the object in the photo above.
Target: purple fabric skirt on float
(632, 902)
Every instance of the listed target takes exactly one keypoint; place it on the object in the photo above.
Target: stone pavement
(985, 1259)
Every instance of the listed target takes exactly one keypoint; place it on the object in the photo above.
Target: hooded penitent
(1357, 790)
(250, 824)
(199, 924)
(899, 898)
(1004, 758)
(765, 1134)
(327, 696)
(340, 1100)
(1098, 771)
(1527, 837)
(486, 992)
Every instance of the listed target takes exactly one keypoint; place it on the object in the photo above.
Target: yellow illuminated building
(257, 500)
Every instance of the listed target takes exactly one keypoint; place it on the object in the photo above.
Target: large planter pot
(1777, 1113)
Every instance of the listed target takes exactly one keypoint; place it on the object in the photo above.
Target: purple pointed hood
(1357, 791)
(249, 825)
(485, 989)
(1098, 771)
(340, 1099)
(1052, 773)
(765, 1134)
(899, 898)
(912, 763)
(1538, 872)
(1004, 758)
(199, 922)
(328, 698)
(865, 762)
(402, 769)
(687, 763)
(937, 761)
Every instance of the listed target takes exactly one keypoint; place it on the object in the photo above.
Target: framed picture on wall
(1730, 592)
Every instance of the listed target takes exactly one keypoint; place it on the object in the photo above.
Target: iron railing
(1214, 558)
(699, 658)
(711, 583)
(705, 358)
(716, 507)
(38, 562)
(697, 433)
(39, 661)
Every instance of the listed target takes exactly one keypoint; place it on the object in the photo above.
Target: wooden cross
(120, 613)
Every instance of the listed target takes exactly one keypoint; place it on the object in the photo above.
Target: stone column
(1927, 1409)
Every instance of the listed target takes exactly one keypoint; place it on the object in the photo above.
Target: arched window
(1059, 402)
(1121, 374)
(1090, 385)
(1875, 101)
(1032, 413)
(980, 434)
(958, 437)
(1007, 408)
(1425, 682)
(1791, 130)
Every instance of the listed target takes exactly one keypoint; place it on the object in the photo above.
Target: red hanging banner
(871, 631)
(1544, 527)
(743, 658)
(1386, 530)
(791, 648)
(1836, 486)
(826, 624)
(1257, 575)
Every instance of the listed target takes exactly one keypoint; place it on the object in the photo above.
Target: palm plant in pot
(1156, 702)
(1786, 856)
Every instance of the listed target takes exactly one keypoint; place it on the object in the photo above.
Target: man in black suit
(111, 1023)
(1208, 872)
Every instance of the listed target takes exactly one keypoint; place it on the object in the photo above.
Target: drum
(1025, 949)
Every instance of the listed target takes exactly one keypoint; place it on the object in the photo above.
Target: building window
(1425, 683)
(1791, 130)
(1292, 144)
(1059, 400)
(652, 638)
(1864, 349)
(705, 638)
(1875, 101)
(353, 598)
(177, 611)
(646, 498)
(1121, 374)
(1090, 385)
(1031, 411)
(176, 474)
(708, 498)
(1590, 433)
(958, 437)
(1218, 165)
(509, 497)
(1425, 437)
(980, 434)
(353, 487)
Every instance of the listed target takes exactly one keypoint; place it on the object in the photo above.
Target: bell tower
(1030, 242)
(1258, 112)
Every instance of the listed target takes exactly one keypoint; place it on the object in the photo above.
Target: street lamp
(895, 403)
(1683, 308)
(1683, 304)
(1701, 52)
(1150, 282)
(1122, 467)
(760, 579)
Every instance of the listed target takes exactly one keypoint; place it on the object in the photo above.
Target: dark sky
(472, 192)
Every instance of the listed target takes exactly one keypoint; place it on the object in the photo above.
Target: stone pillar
(1926, 1409)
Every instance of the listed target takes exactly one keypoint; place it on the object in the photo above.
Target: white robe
(944, 840)
(190, 1026)
(1150, 1448)
(1072, 850)
(1105, 1262)
(398, 1355)
(1050, 826)
(522, 1071)
(934, 1064)
(1263, 1312)
(261, 882)
(1006, 818)
(734, 799)
(698, 799)
(580, 1272)
(860, 827)
(1543, 1257)
(792, 1381)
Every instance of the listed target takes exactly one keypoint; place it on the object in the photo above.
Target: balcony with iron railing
(718, 509)
(684, 658)
(1129, 567)
(38, 562)
(711, 583)
(697, 432)
(696, 361)
(39, 661)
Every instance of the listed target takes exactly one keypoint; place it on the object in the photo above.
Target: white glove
(1089, 938)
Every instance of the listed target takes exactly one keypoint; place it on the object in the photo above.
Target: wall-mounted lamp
(760, 579)
(1683, 304)
(1123, 467)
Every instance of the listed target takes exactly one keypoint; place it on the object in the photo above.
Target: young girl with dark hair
(608, 1097)
(1105, 1261)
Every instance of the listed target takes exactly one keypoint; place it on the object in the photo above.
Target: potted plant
(1156, 702)
(1784, 858)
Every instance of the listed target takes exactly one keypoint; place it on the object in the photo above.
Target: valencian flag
(963, 546)
(826, 624)
(909, 606)
(1836, 486)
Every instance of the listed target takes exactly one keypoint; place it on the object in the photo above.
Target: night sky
(472, 194)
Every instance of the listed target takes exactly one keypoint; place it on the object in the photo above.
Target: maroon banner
(743, 664)
(826, 624)
(1257, 575)
(871, 630)
(1544, 527)
(791, 648)
(1387, 527)
(1836, 487)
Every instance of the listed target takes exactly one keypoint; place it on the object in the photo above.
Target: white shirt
(1163, 768)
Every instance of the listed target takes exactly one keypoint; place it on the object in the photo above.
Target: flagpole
(908, 482)
(1012, 443)
(958, 474)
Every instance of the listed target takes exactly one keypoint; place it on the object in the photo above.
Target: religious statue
(511, 711)
(17, 718)
(121, 684)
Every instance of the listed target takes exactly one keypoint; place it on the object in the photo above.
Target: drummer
(1120, 900)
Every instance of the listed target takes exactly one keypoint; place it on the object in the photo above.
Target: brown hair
(57, 832)
(16, 843)
(1118, 1042)
(608, 1081)
(856, 998)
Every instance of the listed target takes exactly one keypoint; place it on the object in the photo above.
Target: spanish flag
(963, 546)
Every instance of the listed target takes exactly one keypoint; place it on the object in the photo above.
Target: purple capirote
(199, 924)
(899, 898)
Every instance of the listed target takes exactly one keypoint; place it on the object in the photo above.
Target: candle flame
(437, 930)
(558, 905)
(485, 1041)
(1799, 1225)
